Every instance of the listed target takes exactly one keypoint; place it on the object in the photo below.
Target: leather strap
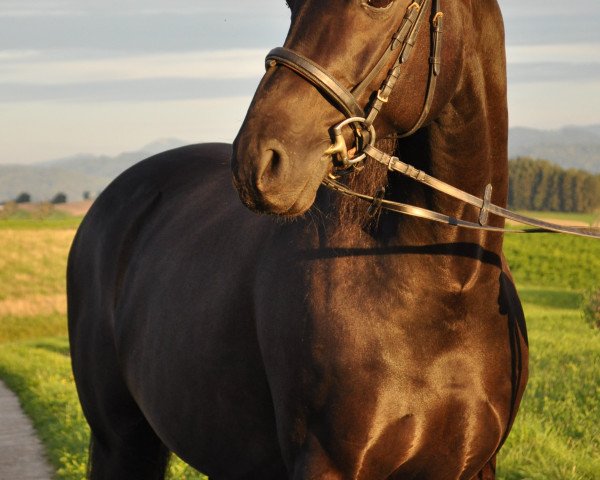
(318, 76)
(413, 211)
(409, 22)
(484, 204)
(402, 44)
(435, 64)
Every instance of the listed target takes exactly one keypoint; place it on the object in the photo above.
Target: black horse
(339, 344)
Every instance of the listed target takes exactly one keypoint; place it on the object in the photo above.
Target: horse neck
(465, 146)
(466, 151)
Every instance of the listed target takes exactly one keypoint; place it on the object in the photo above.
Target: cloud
(553, 104)
(19, 8)
(18, 55)
(115, 30)
(226, 64)
(541, 73)
(30, 76)
(32, 8)
(545, 8)
(130, 91)
(554, 29)
(576, 62)
(572, 53)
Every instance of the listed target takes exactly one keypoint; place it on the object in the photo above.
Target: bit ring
(339, 147)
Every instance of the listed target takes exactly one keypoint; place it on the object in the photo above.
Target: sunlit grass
(23, 328)
(554, 261)
(588, 218)
(556, 434)
(33, 262)
(57, 221)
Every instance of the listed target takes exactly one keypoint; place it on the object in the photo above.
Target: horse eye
(379, 3)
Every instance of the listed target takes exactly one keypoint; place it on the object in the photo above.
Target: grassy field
(556, 436)
(588, 218)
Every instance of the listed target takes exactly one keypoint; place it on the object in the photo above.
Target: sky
(106, 76)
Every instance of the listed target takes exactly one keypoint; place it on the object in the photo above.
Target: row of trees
(25, 197)
(541, 185)
(60, 197)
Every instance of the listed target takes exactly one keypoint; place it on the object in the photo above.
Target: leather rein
(361, 122)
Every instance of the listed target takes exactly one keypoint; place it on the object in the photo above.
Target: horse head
(282, 152)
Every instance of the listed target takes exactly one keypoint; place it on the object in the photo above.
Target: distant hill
(73, 175)
(569, 147)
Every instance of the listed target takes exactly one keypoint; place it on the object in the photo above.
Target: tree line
(25, 197)
(542, 185)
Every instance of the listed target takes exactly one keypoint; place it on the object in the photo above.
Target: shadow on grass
(53, 345)
(550, 298)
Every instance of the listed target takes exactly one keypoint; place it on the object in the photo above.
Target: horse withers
(327, 340)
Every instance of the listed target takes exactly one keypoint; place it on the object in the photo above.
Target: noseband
(361, 121)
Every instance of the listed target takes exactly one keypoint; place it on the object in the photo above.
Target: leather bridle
(361, 121)
(399, 49)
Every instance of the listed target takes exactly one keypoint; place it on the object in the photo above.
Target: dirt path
(21, 454)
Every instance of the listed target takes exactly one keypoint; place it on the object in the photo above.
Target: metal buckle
(339, 147)
(376, 203)
(381, 98)
(484, 213)
(414, 5)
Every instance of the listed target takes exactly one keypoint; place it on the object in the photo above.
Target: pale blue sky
(105, 76)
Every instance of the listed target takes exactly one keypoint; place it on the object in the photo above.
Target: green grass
(57, 221)
(16, 328)
(556, 434)
(33, 262)
(588, 218)
(39, 372)
(553, 260)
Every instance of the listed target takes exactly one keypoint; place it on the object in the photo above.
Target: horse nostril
(272, 165)
(275, 163)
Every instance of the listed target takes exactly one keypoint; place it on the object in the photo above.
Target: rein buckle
(375, 206)
(484, 213)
